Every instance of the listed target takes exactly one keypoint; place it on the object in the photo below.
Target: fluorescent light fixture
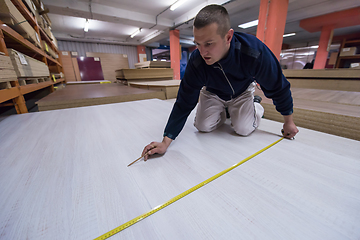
(151, 36)
(86, 28)
(289, 34)
(136, 32)
(187, 41)
(315, 46)
(177, 4)
(249, 24)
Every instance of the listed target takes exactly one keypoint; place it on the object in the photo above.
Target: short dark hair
(213, 14)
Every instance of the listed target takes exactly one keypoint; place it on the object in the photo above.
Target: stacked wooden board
(331, 79)
(88, 82)
(11, 16)
(110, 62)
(7, 72)
(170, 87)
(26, 66)
(27, 69)
(145, 74)
(49, 50)
(70, 66)
(81, 95)
(153, 64)
(39, 11)
(316, 107)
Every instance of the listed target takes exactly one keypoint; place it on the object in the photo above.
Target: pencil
(139, 158)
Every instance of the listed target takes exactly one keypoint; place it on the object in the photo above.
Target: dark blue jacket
(248, 60)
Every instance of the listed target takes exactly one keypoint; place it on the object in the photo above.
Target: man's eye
(208, 44)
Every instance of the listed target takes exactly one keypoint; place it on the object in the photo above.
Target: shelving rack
(9, 38)
(343, 60)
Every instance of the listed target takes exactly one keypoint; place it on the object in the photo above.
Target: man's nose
(202, 50)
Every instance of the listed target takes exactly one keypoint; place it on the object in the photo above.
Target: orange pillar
(271, 27)
(141, 51)
(175, 53)
(323, 50)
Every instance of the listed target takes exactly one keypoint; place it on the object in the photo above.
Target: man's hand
(289, 127)
(156, 147)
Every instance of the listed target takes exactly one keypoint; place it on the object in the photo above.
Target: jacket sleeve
(268, 74)
(186, 100)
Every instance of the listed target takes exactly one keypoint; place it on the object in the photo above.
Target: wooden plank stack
(318, 102)
(7, 72)
(153, 64)
(69, 67)
(49, 50)
(11, 16)
(330, 79)
(81, 95)
(145, 74)
(110, 62)
(170, 87)
(26, 66)
(39, 11)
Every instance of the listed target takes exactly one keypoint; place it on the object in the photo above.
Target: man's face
(211, 45)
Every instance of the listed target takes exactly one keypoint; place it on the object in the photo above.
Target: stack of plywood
(38, 10)
(7, 72)
(110, 62)
(323, 101)
(49, 50)
(331, 79)
(40, 13)
(145, 74)
(70, 66)
(170, 87)
(10, 15)
(153, 64)
(26, 66)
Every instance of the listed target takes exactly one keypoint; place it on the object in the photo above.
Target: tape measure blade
(181, 195)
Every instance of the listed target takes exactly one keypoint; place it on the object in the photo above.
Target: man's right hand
(156, 147)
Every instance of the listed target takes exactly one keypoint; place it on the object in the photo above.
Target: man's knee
(244, 130)
(205, 125)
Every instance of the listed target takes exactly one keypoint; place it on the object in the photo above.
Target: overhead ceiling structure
(147, 22)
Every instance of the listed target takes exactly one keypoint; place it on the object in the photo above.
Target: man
(222, 70)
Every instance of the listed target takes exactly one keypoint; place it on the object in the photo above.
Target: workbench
(64, 175)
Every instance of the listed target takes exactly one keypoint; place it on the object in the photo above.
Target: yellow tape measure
(181, 195)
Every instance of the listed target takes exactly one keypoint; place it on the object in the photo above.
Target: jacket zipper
(227, 80)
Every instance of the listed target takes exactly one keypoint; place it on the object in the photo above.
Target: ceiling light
(177, 4)
(86, 28)
(136, 32)
(186, 41)
(249, 24)
(289, 34)
(151, 36)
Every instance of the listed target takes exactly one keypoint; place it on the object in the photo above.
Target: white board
(64, 175)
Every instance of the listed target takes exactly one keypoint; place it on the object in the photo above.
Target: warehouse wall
(82, 48)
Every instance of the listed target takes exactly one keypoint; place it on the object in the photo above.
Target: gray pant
(245, 115)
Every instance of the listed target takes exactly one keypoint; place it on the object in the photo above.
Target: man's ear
(229, 35)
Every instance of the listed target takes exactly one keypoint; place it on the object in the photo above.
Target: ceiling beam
(345, 18)
(107, 14)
